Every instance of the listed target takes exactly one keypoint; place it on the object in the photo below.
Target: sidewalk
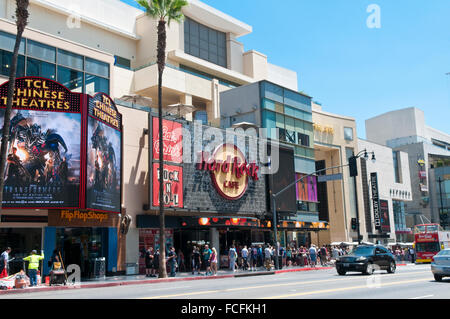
(142, 279)
(181, 276)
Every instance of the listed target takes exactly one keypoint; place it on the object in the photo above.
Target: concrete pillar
(214, 240)
(187, 100)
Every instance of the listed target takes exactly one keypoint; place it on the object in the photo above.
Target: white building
(406, 130)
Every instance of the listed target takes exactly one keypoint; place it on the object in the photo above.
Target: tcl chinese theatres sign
(229, 170)
(172, 141)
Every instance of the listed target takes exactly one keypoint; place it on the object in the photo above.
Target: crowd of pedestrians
(203, 260)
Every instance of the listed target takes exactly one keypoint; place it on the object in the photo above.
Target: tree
(162, 10)
(21, 22)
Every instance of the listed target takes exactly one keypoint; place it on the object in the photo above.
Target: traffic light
(354, 224)
(352, 166)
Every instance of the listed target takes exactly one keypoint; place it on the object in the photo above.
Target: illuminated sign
(229, 170)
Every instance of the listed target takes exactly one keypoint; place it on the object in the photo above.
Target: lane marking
(344, 289)
(303, 283)
(427, 296)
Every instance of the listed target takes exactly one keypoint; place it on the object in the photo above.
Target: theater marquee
(51, 144)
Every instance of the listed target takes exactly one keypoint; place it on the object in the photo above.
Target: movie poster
(104, 144)
(43, 154)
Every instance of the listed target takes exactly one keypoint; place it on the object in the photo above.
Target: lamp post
(353, 173)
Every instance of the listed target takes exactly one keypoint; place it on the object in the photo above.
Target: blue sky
(349, 68)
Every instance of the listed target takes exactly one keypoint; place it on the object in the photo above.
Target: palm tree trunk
(22, 17)
(161, 51)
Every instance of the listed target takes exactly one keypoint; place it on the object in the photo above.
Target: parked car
(440, 264)
(365, 259)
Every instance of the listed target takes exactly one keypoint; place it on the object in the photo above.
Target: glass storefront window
(41, 51)
(71, 79)
(5, 64)
(279, 120)
(40, 68)
(96, 84)
(70, 60)
(97, 67)
(8, 40)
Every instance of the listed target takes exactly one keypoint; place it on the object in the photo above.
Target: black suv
(365, 259)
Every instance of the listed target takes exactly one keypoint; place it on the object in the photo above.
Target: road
(409, 282)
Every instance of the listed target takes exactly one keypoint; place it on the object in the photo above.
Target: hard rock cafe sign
(229, 170)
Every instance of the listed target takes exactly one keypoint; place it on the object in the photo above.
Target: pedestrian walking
(196, 260)
(323, 255)
(244, 255)
(207, 259)
(254, 257)
(214, 262)
(155, 269)
(313, 255)
(260, 256)
(268, 257)
(180, 261)
(4, 259)
(33, 266)
(172, 261)
(149, 262)
(232, 256)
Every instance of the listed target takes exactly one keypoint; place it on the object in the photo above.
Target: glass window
(297, 100)
(348, 133)
(303, 139)
(307, 116)
(7, 42)
(308, 128)
(5, 64)
(41, 68)
(395, 158)
(269, 105)
(291, 137)
(72, 79)
(205, 43)
(299, 126)
(300, 151)
(41, 51)
(290, 123)
(279, 107)
(269, 122)
(96, 84)
(289, 111)
(70, 60)
(122, 62)
(272, 92)
(279, 120)
(97, 67)
(201, 116)
(309, 153)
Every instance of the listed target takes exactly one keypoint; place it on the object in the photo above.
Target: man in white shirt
(4, 258)
(244, 255)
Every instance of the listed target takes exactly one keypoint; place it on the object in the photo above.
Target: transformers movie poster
(43, 159)
(103, 159)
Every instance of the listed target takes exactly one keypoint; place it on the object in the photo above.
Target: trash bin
(100, 268)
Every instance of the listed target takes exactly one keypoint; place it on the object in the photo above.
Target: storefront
(214, 193)
(85, 238)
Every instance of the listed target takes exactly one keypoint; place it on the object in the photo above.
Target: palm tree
(162, 10)
(21, 22)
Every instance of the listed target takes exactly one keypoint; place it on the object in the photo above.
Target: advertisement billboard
(44, 149)
(104, 144)
(172, 141)
(286, 202)
(384, 216)
(375, 200)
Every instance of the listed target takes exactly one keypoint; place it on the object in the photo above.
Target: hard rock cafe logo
(229, 170)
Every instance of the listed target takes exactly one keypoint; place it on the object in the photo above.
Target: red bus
(429, 239)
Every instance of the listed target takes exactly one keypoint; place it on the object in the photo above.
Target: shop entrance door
(82, 247)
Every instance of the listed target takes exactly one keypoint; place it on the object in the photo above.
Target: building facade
(386, 194)
(110, 47)
(406, 130)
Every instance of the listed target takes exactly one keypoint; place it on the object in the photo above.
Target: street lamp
(354, 172)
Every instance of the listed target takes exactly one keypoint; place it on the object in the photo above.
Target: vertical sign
(384, 216)
(104, 149)
(173, 185)
(172, 175)
(375, 200)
